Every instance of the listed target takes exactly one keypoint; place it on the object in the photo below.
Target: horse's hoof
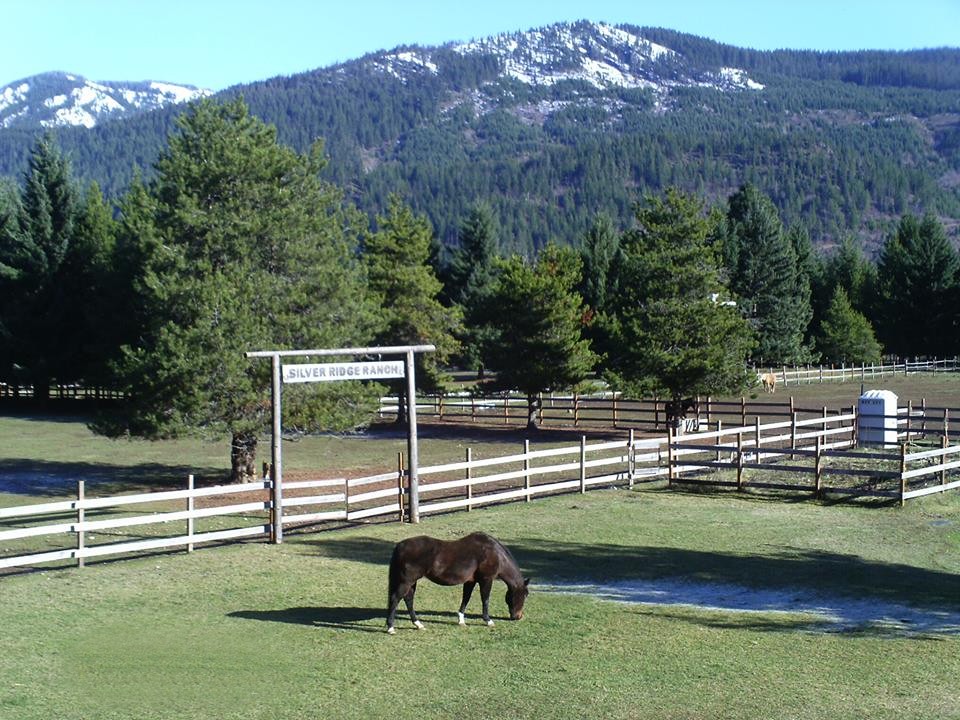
(419, 625)
(391, 631)
(489, 623)
(461, 619)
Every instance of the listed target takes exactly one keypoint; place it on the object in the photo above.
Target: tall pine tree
(916, 273)
(397, 261)
(764, 274)
(537, 321)
(255, 253)
(673, 330)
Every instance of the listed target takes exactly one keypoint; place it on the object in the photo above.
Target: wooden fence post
(719, 438)
(903, 469)
(756, 436)
(576, 410)
(81, 515)
(946, 423)
(400, 493)
(944, 444)
(469, 478)
(526, 467)
(631, 460)
(670, 437)
(709, 416)
(818, 469)
(190, 506)
(793, 432)
(743, 411)
(740, 460)
(614, 411)
(440, 407)
(909, 413)
(583, 464)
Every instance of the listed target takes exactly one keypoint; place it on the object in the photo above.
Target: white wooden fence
(862, 372)
(738, 457)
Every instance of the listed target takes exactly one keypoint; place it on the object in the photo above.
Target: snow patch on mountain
(62, 99)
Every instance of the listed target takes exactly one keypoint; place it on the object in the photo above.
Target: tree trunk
(243, 454)
(41, 388)
(533, 405)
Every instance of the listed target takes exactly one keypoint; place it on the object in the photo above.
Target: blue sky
(219, 43)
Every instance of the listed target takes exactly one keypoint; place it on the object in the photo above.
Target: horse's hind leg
(467, 591)
(408, 599)
(394, 600)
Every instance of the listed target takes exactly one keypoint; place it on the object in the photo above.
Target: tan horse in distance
(769, 381)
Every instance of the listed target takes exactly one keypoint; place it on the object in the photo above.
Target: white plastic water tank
(877, 418)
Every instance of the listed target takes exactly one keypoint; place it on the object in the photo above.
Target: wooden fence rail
(802, 454)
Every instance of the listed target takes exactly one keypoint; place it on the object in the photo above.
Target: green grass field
(297, 630)
(757, 607)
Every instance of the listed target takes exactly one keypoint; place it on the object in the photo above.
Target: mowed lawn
(297, 630)
(754, 607)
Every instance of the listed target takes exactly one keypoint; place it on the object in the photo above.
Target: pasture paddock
(296, 630)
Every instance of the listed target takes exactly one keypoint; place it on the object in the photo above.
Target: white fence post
(81, 516)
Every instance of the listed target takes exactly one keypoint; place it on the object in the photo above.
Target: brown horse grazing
(476, 559)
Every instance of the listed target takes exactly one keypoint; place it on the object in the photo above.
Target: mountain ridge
(58, 99)
(556, 124)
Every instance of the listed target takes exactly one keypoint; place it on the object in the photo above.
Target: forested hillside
(554, 126)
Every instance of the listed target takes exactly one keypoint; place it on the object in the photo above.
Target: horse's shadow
(338, 618)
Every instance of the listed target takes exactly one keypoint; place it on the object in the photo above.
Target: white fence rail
(92, 524)
(863, 372)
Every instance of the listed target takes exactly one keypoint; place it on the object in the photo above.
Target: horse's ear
(526, 582)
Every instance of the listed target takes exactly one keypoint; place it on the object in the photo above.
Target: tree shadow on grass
(44, 478)
(778, 567)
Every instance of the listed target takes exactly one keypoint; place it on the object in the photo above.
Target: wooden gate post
(631, 460)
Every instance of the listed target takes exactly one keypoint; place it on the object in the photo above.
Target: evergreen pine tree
(764, 275)
(397, 261)
(916, 273)
(32, 254)
(846, 335)
(471, 276)
(255, 253)
(537, 319)
(673, 331)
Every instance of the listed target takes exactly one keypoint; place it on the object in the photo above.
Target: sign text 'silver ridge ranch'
(327, 372)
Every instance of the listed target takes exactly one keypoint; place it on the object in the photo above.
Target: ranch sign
(284, 373)
(327, 372)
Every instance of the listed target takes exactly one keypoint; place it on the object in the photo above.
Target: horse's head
(516, 596)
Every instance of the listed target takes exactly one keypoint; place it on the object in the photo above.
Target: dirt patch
(816, 612)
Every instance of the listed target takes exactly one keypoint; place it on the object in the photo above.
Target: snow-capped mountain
(602, 55)
(61, 99)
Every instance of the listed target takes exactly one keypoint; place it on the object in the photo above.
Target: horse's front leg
(485, 585)
(467, 592)
(408, 599)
